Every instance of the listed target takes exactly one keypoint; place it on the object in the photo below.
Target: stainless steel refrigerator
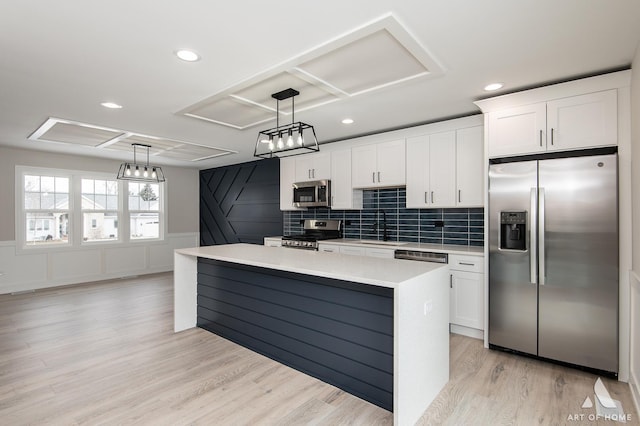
(553, 258)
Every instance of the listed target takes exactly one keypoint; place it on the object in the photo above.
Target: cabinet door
(391, 163)
(321, 167)
(469, 167)
(442, 170)
(313, 167)
(328, 248)
(418, 172)
(467, 299)
(304, 167)
(287, 178)
(343, 196)
(583, 121)
(380, 252)
(352, 250)
(363, 166)
(519, 130)
(273, 242)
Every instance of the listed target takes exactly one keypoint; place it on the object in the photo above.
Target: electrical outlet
(428, 307)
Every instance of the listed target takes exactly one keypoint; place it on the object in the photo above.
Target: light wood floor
(106, 353)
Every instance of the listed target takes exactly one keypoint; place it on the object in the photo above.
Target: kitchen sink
(383, 243)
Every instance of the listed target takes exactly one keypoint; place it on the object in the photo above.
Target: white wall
(634, 379)
(20, 271)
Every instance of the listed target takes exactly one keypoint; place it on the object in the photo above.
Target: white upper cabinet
(574, 122)
(442, 171)
(445, 169)
(287, 178)
(519, 130)
(418, 172)
(343, 196)
(378, 165)
(470, 169)
(313, 167)
(583, 121)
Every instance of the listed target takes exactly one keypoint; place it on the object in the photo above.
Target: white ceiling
(62, 59)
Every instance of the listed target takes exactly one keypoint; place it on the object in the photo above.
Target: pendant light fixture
(141, 172)
(289, 139)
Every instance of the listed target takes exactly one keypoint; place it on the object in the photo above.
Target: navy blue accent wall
(240, 203)
(461, 226)
(338, 331)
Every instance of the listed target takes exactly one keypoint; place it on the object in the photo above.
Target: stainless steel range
(314, 230)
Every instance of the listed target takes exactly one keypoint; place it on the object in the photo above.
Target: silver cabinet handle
(533, 235)
(459, 196)
(309, 173)
(426, 197)
(373, 177)
(541, 232)
(313, 173)
(450, 280)
(552, 136)
(540, 137)
(378, 176)
(467, 264)
(431, 197)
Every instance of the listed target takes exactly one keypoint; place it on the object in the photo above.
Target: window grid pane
(100, 226)
(94, 194)
(47, 228)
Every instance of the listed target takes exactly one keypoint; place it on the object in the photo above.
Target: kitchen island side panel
(337, 331)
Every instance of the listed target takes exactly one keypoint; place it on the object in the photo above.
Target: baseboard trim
(467, 331)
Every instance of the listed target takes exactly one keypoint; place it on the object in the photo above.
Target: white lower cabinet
(379, 252)
(352, 250)
(356, 250)
(467, 291)
(328, 248)
(273, 241)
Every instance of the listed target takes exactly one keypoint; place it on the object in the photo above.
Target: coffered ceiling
(384, 64)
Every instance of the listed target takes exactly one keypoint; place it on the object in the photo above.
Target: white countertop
(438, 248)
(360, 269)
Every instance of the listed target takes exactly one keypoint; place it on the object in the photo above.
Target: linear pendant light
(290, 139)
(141, 172)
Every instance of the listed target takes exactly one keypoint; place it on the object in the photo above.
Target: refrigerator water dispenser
(513, 230)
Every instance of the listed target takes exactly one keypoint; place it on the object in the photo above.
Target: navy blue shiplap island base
(376, 328)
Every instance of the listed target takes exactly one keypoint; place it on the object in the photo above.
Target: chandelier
(142, 172)
(289, 139)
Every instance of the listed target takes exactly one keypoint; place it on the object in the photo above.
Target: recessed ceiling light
(347, 121)
(493, 86)
(187, 55)
(111, 105)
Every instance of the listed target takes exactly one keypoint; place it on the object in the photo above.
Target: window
(99, 210)
(46, 209)
(144, 210)
(57, 208)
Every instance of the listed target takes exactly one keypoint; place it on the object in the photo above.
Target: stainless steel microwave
(316, 193)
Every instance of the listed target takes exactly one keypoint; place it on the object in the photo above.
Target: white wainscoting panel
(30, 271)
(14, 269)
(125, 259)
(74, 264)
(634, 376)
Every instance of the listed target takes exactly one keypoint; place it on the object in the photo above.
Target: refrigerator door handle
(533, 240)
(541, 232)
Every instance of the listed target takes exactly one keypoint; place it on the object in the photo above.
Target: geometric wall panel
(240, 203)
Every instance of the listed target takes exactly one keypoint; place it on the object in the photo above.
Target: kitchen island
(377, 328)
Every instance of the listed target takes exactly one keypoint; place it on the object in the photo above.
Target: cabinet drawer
(466, 263)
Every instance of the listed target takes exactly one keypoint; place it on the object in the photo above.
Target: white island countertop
(359, 269)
